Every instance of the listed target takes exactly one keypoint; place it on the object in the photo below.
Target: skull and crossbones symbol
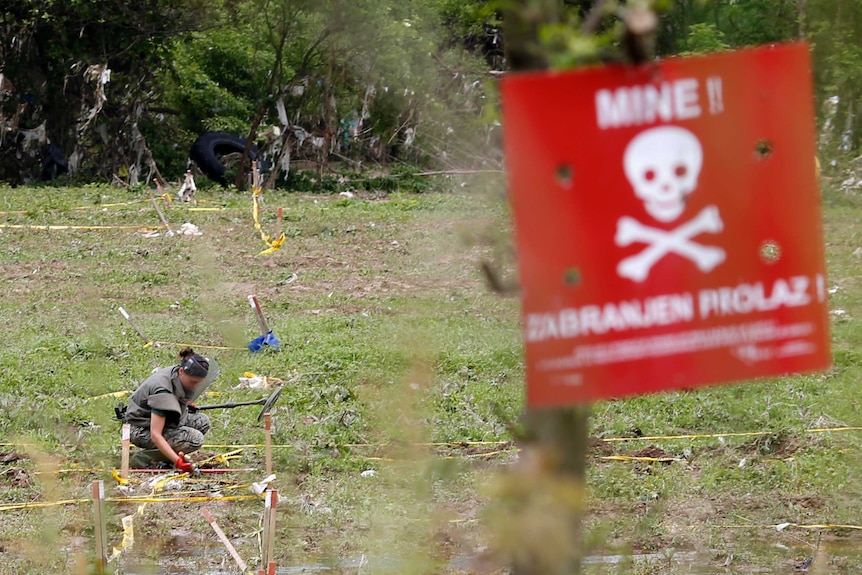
(663, 164)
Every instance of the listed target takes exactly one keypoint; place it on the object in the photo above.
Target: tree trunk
(555, 446)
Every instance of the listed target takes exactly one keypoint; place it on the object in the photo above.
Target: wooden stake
(264, 538)
(255, 305)
(267, 425)
(230, 548)
(99, 521)
(137, 329)
(271, 569)
(278, 218)
(270, 544)
(255, 176)
(127, 434)
(159, 211)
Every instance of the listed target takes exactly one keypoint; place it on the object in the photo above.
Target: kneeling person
(163, 422)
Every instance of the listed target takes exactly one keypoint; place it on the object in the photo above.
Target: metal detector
(267, 403)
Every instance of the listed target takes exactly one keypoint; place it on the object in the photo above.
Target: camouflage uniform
(184, 431)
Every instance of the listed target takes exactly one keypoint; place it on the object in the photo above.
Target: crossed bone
(661, 243)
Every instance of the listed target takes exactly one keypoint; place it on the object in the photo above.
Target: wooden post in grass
(278, 219)
(126, 438)
(230, 548)
(270, 554)
(264, 537)
(99, 523)
(556, 439)
(159, 210)
(267, 425)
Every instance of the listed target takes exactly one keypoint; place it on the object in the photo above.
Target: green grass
(391, 342)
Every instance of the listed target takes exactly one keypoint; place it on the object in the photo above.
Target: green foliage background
(411, 79)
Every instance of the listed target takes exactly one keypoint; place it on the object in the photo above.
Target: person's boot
(148, 459)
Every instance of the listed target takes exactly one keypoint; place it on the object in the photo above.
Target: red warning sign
(668, 223)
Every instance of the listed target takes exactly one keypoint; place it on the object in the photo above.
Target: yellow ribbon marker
(118, 478)
(128, 523)
(274, 245)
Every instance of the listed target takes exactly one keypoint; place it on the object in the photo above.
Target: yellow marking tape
(165, 499)
(783, 526)
(489, 454)
(52, 227)
(166, 197)
(823, 526)
(36, 505)
(194, 345)
(116, 394)
(69, 470)
(636, 458)
(433, 444)
(274, 245)
(716, 435)
(100, 206)
(245, 446)
(692, 436)
(128, 523)
(168, 499)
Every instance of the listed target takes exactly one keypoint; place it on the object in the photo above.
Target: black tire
(207, 150)
(54, 164)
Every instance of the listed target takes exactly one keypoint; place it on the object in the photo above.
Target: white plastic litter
(252, 381)
(259, 488)
(189, 229)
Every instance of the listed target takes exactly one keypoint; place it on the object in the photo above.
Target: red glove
(184, 465)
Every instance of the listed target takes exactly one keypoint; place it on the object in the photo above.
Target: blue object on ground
(269, 339)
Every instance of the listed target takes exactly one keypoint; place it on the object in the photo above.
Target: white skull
(663, 164)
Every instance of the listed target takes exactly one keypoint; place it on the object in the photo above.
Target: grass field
(398, 361)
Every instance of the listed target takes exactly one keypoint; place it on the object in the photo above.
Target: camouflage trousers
(187, 437)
